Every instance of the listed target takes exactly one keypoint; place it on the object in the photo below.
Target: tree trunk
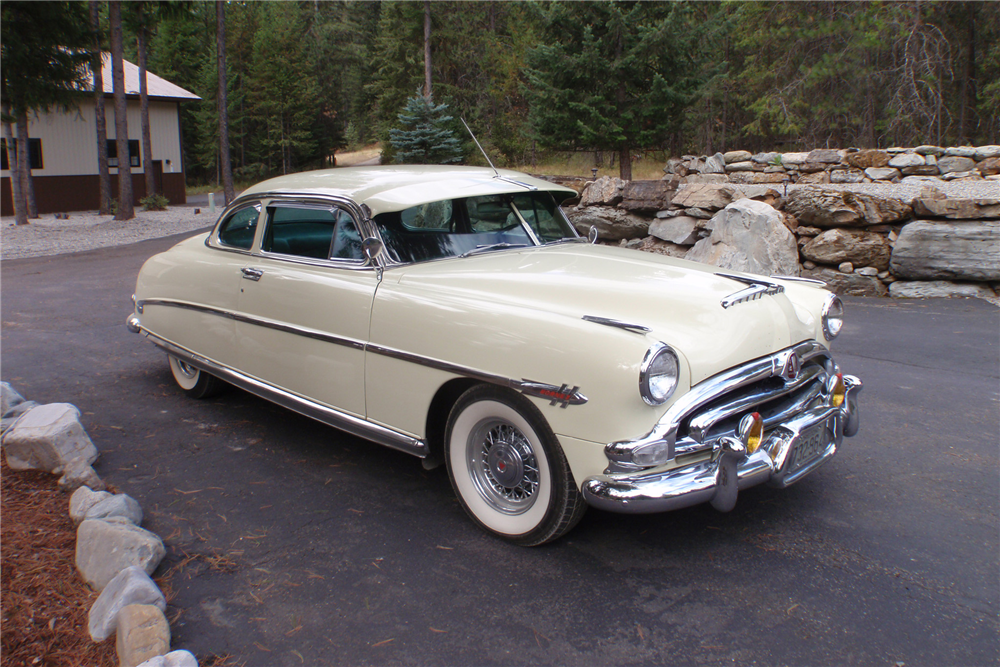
(24, 163)
(147, 141)
(427, 50)
(225, 164)
(20, 203)
(126, 210)
(97, 67)
(625, 163)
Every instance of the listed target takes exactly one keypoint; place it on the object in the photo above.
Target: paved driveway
(294, 544)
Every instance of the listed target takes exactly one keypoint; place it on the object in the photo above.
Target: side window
(237, 231)
(435, 216)
(347, 240)
(318, 233)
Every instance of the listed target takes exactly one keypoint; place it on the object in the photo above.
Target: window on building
(34, 152)
(133, 152)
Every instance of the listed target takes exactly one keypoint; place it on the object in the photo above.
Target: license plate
(810, 445)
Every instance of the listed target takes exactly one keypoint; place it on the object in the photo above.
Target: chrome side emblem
(792, 368)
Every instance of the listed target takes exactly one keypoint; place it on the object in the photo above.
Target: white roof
(157, 87)
(397, 187)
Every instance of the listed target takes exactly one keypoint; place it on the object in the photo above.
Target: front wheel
(507, 468)
(195, 382)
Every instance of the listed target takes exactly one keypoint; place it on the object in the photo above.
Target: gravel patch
(86, 230)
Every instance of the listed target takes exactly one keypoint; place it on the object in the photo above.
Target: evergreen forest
(306, 78)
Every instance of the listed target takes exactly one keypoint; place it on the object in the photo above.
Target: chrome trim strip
(321, 413)
(608, 322)
(799, 279)
(757, 288)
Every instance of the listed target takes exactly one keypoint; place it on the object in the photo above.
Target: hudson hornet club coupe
(455, 314)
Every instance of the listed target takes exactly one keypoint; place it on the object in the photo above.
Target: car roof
(396, 187)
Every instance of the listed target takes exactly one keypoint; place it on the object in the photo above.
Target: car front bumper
(791, 450)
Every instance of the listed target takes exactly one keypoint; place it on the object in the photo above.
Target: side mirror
(592, 234)
(373, 248)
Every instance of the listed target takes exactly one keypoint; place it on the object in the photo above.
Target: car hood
(678, 301)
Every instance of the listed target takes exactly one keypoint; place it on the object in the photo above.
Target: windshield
(456, 227)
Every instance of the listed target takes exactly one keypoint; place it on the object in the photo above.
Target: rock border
(114, 555)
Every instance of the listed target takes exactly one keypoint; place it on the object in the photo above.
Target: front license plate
(810, 445)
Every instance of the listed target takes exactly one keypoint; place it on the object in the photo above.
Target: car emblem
(792, 368)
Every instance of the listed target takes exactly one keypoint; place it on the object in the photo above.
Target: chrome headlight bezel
(652, 391)
(833, 317)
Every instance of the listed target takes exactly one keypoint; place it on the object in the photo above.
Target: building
(64, 153)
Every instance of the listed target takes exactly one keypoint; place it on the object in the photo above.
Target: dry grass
(646, 165)
(45, 603)
(351, 158)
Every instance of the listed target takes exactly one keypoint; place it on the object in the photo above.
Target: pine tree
(425, 137)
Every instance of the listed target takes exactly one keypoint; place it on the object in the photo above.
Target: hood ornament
(758, 287)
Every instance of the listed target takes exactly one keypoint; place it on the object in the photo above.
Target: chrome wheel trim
(502, 466)
(185, 375)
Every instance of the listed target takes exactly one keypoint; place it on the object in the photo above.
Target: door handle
(252, 274)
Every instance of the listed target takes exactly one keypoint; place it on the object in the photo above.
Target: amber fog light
(751, 431)
(836, 390)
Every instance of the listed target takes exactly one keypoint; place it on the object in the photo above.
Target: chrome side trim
(321, 413)
(286, 328)
(608, 322)
(799, 279)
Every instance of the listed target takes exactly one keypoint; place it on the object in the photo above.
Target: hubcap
(186, 370)
(503, 466)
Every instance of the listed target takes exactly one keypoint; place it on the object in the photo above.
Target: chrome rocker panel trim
(820, 431)
(321, 413)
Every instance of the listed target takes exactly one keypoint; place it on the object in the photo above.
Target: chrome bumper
(791, 450)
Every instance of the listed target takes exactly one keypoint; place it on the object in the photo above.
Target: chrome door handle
(251, 273)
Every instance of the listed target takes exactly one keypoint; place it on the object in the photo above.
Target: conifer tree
(425, 137)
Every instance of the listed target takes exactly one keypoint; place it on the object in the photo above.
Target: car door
(304, 305)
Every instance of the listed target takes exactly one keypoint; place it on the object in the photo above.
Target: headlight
(833, 317)
(658, 377)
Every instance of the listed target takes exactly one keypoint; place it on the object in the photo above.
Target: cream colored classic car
(455, 314)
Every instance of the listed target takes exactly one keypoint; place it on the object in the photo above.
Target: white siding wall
(69, 140)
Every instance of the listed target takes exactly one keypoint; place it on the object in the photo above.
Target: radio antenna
(488, 161)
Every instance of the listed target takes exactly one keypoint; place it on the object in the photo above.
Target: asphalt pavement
(291, 543)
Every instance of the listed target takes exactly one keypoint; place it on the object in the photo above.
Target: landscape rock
(882, 174)
(824, 155)
(922, 170)
(78, 473)
(925, 289)
(733, 157)
(986, 152)
(117, 506)
(849, 284)
(765, 158)
(817, 178)
(957, 209)
(793, 159)
(646, 196)
(715, 164)
(868, 271)
(705, 196)
(612, 224)
(659, 247)
(846, 267)
(867, 159)
(825, 207)
(749, 236)
(130, 586)
(907, 160)
(172, 659)
(989, 166)
(81, 500)
(847, 176)
(741, 166)
(972, 175)
(605, 191)
(842, 245)
(960, 151)
(143, 633)
(929, 150)
(48, 437)
(9, 397)
(927, 250)
(681, 230)
(697, 179)
(952, 164)
(105, 547)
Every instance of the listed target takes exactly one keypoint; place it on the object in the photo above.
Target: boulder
(695, 179)
(130, 586)
(922, 170)
(82, 500)
(843, 245)
(605, 191)
(681, 230)
(989, 166)
(850, 284)
(612, 224)
(986, 152)
(793, 159)
(659, 247)
(907, 160)
(847, 176)
(960, 151)
(957, 209)
(769, 178)
(927, 250)
(869, 271)
(929, 150)
(105, 547)
(765, 158)
(78, 473)
(646, 196)
(952, 163)
(867, 159)
(117, 506)
(143, 633)
(8, 398)
(749, 236)
(816, 178)
(746, 165)
(172, 659)
(824, 156)
(705, 196)
(675, 166)
(972, 175)
(48, 437)
(715, 164)
(825, 207)
(926, 289)
(736, 156)
(882, 174)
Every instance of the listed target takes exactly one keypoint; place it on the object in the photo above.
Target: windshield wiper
(493, 246)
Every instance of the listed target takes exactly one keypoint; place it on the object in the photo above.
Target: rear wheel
(507, 468)
(195, 382)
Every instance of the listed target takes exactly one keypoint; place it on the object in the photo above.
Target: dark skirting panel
(56, 194)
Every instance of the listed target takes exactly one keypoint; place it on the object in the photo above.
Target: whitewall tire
(195, 382)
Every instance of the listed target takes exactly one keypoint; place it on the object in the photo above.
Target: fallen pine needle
(384, 642)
